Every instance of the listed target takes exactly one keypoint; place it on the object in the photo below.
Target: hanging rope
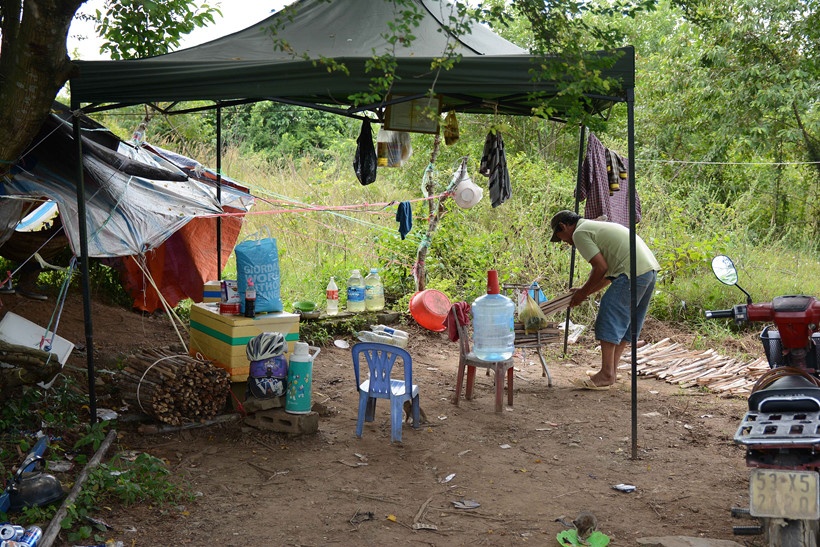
(176, 321)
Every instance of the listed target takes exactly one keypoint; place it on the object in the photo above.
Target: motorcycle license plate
(784, 494)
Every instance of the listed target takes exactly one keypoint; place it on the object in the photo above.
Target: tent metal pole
(219, 191)
(581, 139)
(86, 285)
(633, 285)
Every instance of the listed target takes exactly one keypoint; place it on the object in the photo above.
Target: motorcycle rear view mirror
(726, 272)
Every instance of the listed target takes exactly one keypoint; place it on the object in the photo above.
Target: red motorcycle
(781, 430)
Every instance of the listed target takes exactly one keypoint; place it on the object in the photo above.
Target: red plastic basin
(430, 308)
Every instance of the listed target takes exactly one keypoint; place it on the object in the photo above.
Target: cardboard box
(212, 292)
(223, 338)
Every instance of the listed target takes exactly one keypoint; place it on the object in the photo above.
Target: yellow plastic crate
(223, 338)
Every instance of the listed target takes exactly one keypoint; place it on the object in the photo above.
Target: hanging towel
(595, 186)
(404, 216)
(494, 165)
(462, 309)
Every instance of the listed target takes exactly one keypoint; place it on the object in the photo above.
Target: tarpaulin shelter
(148, 209)
(320, 54)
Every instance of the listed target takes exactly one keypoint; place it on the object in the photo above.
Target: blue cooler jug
(300, 379)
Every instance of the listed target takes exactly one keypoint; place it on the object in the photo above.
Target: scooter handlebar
(720, 314)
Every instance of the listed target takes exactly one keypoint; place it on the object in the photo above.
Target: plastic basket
(772, 346)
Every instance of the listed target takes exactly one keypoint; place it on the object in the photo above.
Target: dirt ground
(555, 452)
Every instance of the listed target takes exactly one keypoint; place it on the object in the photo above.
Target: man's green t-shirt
(612, 241)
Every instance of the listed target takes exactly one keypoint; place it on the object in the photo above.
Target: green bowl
(305, 305)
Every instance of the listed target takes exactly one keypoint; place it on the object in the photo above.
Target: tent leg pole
(633, 285)
(219, 191)
(86, 285)
(581, 139)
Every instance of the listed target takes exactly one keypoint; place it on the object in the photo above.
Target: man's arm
(595, 282)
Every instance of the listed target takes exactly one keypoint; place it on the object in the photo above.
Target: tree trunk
(434, 210)
(34, 65)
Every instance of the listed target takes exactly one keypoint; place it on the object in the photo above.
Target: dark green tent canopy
(317, 52)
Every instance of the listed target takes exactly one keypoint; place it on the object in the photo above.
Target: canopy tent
(320, 53)
(317, 53)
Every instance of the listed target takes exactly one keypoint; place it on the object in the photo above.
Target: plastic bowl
(430, 308)
(304, 305)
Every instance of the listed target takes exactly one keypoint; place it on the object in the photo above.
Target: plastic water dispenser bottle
(493, 317)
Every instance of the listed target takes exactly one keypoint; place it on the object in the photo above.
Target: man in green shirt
(605, 245)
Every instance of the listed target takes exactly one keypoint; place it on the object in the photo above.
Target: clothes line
(751, 163)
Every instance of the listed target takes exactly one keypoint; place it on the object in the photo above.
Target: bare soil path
(557, 451)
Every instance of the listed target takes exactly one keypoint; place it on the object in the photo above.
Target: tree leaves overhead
(135, 29)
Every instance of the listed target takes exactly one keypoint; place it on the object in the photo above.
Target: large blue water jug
(493, 317)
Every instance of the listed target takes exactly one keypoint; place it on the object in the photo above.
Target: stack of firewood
(174, 389)
(670, 361)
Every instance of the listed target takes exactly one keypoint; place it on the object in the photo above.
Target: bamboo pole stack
(546, 335)
(673, 363)
(556, 303)
(174, 389)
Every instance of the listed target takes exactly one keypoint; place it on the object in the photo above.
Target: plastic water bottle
(493, 316)
(250, 299)
(399, 335)
(355, 292)
(373, 291)
(382, 338)
(332, 294)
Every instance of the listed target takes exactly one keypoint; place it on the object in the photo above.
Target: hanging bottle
(355, 292)
(373, 291)
(332, 294)
(493, 316)
(382, 142)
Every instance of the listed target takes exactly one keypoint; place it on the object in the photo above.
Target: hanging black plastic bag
(365, 161)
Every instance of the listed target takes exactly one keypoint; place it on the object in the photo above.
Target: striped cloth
(595, 187)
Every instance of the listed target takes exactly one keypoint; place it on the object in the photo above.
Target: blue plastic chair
(380, 359)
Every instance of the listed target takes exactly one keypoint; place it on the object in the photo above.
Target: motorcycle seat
(788, 394)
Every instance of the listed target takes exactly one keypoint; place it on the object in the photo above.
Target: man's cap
(558, 218)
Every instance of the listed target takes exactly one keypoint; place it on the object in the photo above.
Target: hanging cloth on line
(494, 165)
(595, 186)
(404, 216)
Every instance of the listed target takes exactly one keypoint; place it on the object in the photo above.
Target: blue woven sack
(257, 258)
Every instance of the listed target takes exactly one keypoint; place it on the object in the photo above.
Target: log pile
(23, 365)
(174, 389)
(673, 363)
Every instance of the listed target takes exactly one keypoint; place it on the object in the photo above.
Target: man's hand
(578, 297)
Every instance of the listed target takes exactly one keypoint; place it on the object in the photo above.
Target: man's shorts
(613, 321)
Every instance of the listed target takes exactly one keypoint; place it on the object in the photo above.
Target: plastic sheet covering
(126, 214)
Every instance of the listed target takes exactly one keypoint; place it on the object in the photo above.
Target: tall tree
(34, 62)
(34, 65)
